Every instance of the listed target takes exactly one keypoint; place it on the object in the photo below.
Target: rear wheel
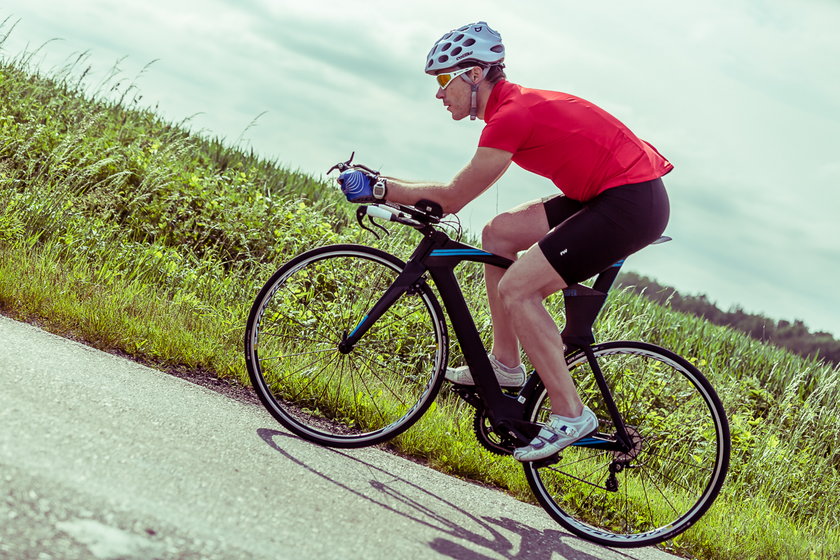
(672, 470)
(378, 389)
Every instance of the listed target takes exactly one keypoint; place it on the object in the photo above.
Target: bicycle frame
(438, 255)
(629, 485)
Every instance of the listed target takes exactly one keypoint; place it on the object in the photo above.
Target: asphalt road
(103, 458)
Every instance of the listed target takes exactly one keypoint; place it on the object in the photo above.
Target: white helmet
(475, 42)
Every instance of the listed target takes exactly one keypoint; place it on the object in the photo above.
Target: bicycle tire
(374, 392)
(677, 466)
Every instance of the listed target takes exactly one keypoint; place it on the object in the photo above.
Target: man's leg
(522, 290)
(507, 234)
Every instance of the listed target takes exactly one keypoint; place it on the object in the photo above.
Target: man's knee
(493, 236)
(503, 235)
(530, 278)
(515, 230)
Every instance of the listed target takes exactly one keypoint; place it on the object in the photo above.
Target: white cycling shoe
(506, 376)
(559, 432)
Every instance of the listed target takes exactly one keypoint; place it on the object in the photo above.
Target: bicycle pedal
(468, 394)
(548, 461)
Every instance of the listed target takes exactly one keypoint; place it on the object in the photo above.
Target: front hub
(345, 347)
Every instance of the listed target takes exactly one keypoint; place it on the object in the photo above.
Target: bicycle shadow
(462, 532)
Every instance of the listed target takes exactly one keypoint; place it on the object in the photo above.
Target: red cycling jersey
(583, 149)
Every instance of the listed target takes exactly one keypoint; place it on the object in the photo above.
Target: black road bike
(347, 346)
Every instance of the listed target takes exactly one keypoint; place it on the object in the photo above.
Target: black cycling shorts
(588, 237)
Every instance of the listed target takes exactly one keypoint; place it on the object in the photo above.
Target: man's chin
(455, 116)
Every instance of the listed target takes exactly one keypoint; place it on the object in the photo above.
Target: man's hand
(357, 186)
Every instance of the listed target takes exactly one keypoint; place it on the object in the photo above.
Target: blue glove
(357, 186)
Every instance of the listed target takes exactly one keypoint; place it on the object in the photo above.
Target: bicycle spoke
(336, 387)
(669, 479)
(680, 462)
(373, 400)
(658, 489)
(312, 378)
(647, 499)
(292, 373)
(298, 338)
(285, 356)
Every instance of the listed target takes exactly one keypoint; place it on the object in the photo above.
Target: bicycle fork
(405, 282)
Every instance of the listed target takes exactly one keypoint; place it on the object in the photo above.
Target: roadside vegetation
(137, 235)
(795, 337)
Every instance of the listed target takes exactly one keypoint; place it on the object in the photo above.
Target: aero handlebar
(423, 214)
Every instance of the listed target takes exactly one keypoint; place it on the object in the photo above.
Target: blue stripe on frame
(457, 252)
(589, 441)
(362, 322)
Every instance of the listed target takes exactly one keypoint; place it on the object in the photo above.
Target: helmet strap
(474, 95)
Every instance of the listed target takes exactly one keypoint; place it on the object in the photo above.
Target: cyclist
(613, 203)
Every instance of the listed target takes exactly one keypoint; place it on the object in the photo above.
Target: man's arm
(485, 168)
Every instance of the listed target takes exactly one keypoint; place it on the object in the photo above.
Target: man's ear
(476, 73)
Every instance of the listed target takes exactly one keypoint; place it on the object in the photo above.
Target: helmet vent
(497, 49)
(445, 47)
(442, 59)
(456, 51)
(469, 42)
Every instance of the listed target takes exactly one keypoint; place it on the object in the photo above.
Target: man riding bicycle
(613, 203)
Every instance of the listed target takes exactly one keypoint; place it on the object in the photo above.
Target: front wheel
(672, 471)
(333, 397)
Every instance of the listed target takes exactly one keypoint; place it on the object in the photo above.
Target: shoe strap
(547, 435)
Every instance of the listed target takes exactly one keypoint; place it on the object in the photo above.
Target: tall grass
(138, 235)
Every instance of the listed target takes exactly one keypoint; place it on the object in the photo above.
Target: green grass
(137, 235)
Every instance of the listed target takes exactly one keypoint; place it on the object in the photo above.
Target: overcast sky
(743, 97)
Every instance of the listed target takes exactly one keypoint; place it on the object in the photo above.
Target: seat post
(607, 277)
(583, 306)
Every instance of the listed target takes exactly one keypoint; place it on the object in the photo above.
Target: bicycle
(347, 346)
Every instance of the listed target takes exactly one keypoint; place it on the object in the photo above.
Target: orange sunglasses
(444, 80)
